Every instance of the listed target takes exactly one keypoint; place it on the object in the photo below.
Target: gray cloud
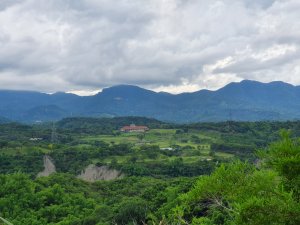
(175, 45)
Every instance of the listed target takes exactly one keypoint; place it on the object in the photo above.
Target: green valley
(86, 171)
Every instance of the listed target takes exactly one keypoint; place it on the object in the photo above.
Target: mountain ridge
(243, 101)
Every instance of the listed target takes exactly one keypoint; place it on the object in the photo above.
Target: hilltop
(243, 101)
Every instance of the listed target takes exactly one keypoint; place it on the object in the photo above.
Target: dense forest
(215, 173)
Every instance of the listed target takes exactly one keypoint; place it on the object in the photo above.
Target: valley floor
(209, 173)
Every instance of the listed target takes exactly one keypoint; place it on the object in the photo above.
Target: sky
(82, 46)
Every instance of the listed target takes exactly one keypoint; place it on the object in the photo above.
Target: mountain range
(243, 101)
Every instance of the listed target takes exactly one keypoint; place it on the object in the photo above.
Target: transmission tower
(54, 136)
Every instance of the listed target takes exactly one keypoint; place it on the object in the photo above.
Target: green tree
(239, 193)
(133, 211)
(284, 157)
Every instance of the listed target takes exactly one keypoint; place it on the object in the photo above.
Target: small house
(134, 128)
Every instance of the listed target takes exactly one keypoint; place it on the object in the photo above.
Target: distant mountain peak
(281, 83)
(124, 89)
(60, 93)
(246, 100)
(255, 84)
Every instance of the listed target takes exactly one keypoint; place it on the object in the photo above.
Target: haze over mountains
(244, 101)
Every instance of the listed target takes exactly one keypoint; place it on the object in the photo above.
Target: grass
(224, 155)
(123, 138)
(191, 152)
(160, 158)
(24, 150)
(162, 137)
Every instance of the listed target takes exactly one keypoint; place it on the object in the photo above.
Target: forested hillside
(235, 193)
(166, 150)
(4, 120)
(244, 101)
(203, 173)
(240, 193)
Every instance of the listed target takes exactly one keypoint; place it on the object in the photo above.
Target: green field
(194, 145)
(162, 137)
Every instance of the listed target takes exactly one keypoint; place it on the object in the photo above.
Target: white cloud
(274, 52)
(171, 45)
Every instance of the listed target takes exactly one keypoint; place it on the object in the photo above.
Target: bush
(133, 211)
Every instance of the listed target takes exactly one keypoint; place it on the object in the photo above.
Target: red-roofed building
(134, 128)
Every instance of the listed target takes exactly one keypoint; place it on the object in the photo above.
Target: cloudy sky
(164, 45)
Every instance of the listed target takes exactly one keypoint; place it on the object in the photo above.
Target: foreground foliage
(239, 193)
(62, 199)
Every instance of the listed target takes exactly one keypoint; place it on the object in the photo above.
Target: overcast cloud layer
(169, 45)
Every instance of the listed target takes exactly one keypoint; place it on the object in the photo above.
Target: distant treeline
(84, 125)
